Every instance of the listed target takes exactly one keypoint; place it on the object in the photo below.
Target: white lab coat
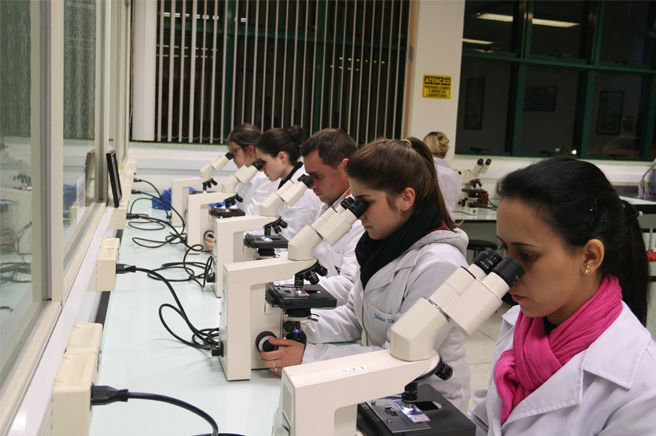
(450, 183)
(608, 389)
(300, 214)
(339, 260)
(255, 192)
(369, 315)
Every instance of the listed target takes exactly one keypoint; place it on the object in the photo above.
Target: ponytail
(392, 165)
(633, 271)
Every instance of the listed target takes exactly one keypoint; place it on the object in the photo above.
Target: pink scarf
(536, 356)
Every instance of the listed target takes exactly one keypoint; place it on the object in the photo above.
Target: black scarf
(373, 255)
(291, 173)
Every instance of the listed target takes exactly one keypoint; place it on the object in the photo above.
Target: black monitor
(114, 181)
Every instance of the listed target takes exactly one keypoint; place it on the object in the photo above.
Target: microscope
(252, 311)
(180, 187)
(231, 246)
(200, 216)
(473, 195)
(321, 398)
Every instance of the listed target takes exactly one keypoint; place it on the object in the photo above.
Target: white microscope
(473, 195)
(250, 314)
(320, 399)
(201, 217)
(180, 187)
(230, 246)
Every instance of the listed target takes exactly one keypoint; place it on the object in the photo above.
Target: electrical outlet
(105, 272)
(71, 397)
(119, 220)
(86, 337)
(126, 187)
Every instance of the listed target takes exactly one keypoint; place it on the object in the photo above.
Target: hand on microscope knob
(289, 353)
(209, 240)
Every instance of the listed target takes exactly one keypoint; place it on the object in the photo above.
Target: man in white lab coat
(325, 155)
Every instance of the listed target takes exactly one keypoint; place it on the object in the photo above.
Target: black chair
(479, 245)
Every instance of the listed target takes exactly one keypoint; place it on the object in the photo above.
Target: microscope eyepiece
(358, 208)
(480, 162)
(509, 270)
(258, 164)
(487, 260)
(229, 155)
(307, 180)
(347, 202)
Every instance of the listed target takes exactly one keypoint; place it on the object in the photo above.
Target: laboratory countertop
(647, 220)
(140, 355)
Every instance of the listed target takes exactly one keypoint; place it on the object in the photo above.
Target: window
(22, 290)
(278, 63)
(543, 78)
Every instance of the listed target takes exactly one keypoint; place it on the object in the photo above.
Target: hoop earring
(587, 269)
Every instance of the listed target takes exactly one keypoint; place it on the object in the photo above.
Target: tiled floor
(480, 350)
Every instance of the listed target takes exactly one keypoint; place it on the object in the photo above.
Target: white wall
(435, 41)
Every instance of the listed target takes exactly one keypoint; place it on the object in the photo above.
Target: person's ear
(407, 199)
(283, 157)
(593, 256)
(251, 150)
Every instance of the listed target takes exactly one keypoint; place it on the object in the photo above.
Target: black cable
(206, 339)
(187, 267)
(162, 201)
(102, 395)
(165, 202)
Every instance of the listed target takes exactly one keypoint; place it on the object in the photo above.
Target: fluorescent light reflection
(476, 41)
(536, 21)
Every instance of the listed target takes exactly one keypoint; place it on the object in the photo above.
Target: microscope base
(445, 418)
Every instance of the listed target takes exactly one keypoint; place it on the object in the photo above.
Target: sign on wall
(436, 87)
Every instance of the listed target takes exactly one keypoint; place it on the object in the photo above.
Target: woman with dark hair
(409, 248)
(241, 143)
(574, 356)
(280, 151)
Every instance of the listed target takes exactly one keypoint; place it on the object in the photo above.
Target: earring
(587, 269)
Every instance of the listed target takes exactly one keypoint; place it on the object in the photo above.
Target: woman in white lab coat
(573, 357)
(280, 151)
(241, 143)
(450, 180)
(410, 246)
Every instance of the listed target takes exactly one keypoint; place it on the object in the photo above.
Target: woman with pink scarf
(573, 357)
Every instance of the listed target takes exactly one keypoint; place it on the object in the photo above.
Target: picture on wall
(609, 116)
(541, 99)
(474, 103)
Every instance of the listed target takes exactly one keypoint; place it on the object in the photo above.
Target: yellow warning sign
(436, 87)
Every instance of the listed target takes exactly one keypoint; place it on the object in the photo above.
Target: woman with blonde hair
(450, 180)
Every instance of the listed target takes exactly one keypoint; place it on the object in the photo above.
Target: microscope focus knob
(262, 342)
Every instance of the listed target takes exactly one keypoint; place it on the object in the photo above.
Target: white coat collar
(559, 392)
(385, 275)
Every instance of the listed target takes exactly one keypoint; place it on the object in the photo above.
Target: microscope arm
(216, 164)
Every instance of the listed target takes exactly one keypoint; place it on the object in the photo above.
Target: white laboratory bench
(140, 355)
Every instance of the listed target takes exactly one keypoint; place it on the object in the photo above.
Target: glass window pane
(483, 106)
(489, 26)
(558, 28)
(627, 36)
(617, 114)
(80, 143)
(21, 291)
(549, 111)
